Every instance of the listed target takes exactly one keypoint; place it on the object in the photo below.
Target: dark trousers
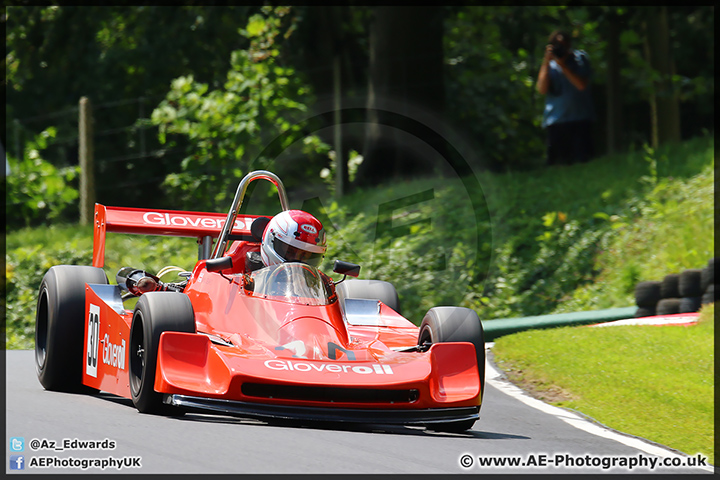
(569, 142)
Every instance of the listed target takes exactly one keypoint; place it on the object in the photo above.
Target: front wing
(260, 411)
(439, 386)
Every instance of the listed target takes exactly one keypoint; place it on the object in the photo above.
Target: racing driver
(293, 236)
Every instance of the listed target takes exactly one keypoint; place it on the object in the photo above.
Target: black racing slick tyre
(709, 295)
(708, 275)
(642, 312)
(370, 290)
(647, 294)
(690, 304)
(59, 326)
(669, 286)
(668, 306)
(455, 324)
(155, 313)
(690, 282)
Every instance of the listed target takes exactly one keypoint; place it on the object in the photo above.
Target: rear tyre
(370, 290)
(59, 326)
(455, 324)
(155, 313)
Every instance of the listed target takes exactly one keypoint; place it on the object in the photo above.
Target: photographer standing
(564, 79)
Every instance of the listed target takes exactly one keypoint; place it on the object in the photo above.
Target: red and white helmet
(293, 236)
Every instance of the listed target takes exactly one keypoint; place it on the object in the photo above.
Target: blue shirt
(563, 101)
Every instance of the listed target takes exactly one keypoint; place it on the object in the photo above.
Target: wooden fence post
(87, 162)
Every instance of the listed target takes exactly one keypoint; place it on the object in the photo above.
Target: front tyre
(455, 324)
(155, 313)
(59, 325)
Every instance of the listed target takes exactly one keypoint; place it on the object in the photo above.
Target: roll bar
(237, 203)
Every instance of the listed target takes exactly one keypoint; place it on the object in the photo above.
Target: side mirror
(346, 268)
(218, 264)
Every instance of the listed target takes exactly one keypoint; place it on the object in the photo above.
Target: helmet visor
(294, 254)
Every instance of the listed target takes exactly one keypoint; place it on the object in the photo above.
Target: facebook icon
(17, 462)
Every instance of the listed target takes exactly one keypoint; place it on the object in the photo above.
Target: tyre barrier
(668, 306)
(709, 295)
(683, 292)
(708, 275)
(647, 294)
(690, 304)
(689, 283)
(645, 312)
(669, 286)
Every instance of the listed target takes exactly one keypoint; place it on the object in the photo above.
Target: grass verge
(655, 382)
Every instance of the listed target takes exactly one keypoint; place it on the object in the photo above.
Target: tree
(663, 99)
(121, 57)
(330, 47)
(406, 66)
(247, 124)
(613, 98)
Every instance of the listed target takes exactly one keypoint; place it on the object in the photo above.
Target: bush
(31, 252)
(24, 270)
(243, 126)
(37, 191)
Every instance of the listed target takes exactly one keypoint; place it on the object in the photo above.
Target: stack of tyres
(683, 292)
(690, 290)
(669, 302)
(647, 296)
(708, 283)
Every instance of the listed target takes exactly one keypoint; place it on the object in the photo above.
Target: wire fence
(114, 144)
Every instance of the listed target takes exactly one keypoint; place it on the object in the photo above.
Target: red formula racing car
(240, 338)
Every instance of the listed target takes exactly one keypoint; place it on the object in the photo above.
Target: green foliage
(401, 234)
(491, 87)
(549, 241)
(228, 128)
(668, 231)
(667, 371)
(37, 191)
(32, 251)
(329, 173)
(544, 246)
(493, 55)
(123, 59)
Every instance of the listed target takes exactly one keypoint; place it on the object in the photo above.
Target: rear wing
(202, 225)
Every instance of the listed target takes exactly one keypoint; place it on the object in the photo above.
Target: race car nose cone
(312, 338)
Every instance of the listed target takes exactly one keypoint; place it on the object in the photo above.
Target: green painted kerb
(504, 326)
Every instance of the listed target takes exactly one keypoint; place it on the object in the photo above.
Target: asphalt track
(509, 427)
